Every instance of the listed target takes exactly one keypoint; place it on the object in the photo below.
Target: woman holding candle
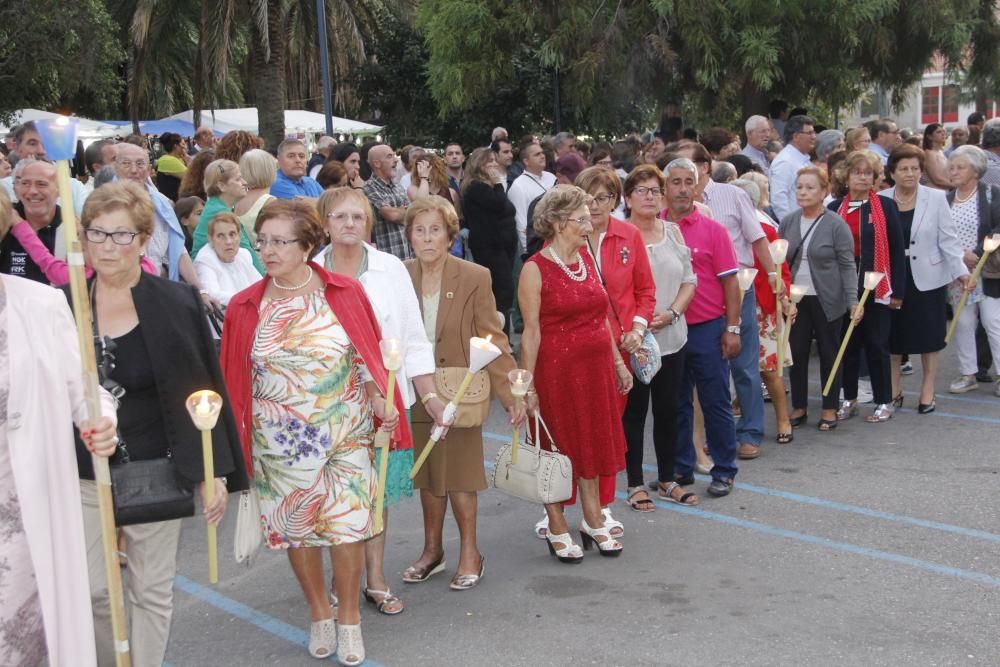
(348, 217)
(44, 600)
(935, 254)
(569, 347)
(223, 267)
(661, 285)
(820, 260)
(301, 356)
(767, 320)
(456, 304)
(878, 246)
(157, 335)
(975, 208)
(225, 187)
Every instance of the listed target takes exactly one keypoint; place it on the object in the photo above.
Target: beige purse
(540, 476)
(475, 405)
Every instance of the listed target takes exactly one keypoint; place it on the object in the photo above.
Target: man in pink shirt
(713, 331)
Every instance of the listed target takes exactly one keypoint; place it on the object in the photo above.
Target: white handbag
(540, 476)
(249, 533)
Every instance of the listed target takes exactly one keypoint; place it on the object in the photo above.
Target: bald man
(389, 201)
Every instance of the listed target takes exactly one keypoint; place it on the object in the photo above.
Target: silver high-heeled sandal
(351, 649)
(883, 413)
(848, 409)
(322, 638)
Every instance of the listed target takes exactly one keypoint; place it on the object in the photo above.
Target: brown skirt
(456, 462)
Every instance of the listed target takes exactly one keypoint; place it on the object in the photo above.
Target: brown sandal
(666, 492)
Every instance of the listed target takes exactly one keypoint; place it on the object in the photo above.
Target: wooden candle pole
(383, 440)
(990, 244)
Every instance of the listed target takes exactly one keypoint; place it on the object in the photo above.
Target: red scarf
(876, 217)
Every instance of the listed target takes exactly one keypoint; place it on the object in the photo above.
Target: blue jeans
(705, 368)
(746, 375)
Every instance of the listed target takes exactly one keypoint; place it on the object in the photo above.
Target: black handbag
(142, 491)
(148, 491)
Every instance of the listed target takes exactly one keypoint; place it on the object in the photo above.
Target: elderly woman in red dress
(570, 347)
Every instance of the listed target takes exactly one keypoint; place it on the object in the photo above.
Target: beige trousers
(148, 584)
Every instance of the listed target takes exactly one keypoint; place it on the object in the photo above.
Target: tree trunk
(269, 78)
(754, 102)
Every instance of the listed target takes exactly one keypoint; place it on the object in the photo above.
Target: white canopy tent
(296, 121)
(87, 130)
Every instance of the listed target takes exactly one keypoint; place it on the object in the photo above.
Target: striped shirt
(732, 207)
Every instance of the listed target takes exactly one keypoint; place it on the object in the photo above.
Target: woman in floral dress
(306, 379)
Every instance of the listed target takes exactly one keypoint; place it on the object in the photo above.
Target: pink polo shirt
(713, 258)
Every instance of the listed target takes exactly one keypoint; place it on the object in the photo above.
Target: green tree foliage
(717, 57)
(53, 52)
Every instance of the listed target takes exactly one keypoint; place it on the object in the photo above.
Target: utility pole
(324, 61)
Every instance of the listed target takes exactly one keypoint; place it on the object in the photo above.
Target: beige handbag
(475, 405)
(540, 476)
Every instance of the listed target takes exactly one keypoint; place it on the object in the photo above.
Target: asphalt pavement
(874, 544)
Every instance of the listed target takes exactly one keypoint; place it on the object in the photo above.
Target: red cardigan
(764, 286)
(348, 302)
(626, 270)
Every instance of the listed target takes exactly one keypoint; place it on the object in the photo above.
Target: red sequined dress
(574, 374)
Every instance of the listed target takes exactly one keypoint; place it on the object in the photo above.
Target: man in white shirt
(800, 140)
(758, 132)
(885, 137)
(527, 187)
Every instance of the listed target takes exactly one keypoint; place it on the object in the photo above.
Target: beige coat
(46, 398)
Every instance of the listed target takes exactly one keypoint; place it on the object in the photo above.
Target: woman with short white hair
(975, 207)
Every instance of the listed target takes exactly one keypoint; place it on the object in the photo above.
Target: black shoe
(927, 408)
(800, 420)
(720, 487)
(984, 376)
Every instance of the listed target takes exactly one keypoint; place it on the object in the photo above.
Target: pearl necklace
(960, 200)
(294, 288)
(579, 275)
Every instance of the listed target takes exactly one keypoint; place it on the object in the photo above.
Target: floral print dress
(22, 635)
(313, 427)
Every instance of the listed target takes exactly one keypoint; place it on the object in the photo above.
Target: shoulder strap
(791, 260)
(604, 284)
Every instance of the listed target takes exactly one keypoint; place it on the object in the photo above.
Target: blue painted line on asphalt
(265, 622)
(831, 504)
(877, 554)
(856, 509)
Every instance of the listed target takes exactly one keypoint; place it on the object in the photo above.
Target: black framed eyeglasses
(98, 236)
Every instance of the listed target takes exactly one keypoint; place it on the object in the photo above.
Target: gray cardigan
(831, 260)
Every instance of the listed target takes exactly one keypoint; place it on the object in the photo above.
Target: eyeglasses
(356, 218)
(118, 238)
(582, 221)
(128, 164)
(606, 163)
(643, 191)
(603, 199)
(279, 244)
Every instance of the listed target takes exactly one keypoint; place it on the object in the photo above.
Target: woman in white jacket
(348, 218)
(224, 268)
(934, 259)
(45, 599)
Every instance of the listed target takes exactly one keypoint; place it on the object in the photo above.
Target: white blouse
(670, 261)
(222, 280)
(390, 291)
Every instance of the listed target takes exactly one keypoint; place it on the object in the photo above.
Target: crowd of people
(679, 274)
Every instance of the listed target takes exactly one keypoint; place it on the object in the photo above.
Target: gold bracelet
(427, 397)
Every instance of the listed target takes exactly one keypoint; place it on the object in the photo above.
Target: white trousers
(148, 584)
(986, 311)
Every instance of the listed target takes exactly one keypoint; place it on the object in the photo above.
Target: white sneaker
(906, 369)
(865, 391)
(963, 384)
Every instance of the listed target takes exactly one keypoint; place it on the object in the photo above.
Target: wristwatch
(733, 329)
(676, 315)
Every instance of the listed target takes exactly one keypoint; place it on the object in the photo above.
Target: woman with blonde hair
(259, 169)
(567, 335)
(225, 186)
(858, 139)
(348, 218)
